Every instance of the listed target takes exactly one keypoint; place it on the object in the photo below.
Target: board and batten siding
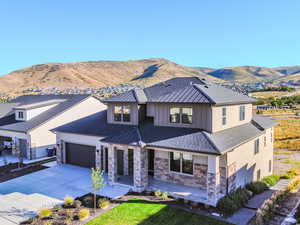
(161, 113)
(134, 114)
(233, 116)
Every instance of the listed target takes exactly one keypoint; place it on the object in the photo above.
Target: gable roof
(184, 90)
(6, 108)
(66, 101)
(146, 134)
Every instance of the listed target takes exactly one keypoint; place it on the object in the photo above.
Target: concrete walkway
(14, 159)
(54, 183)
(244, 215)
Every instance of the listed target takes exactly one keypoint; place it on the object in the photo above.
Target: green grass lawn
(141, 212)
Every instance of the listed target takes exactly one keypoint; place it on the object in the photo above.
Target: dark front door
(130, 162)
(80, 155)
(106, 160)
(151, 162)
(23, 147)
(120, 162)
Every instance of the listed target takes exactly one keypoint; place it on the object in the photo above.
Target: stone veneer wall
(213, 187)
(223, 180)
(232, 177)
(161, 172)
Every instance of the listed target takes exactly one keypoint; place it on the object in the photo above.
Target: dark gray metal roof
(6, 108)
(185, 90)
(264, 121)
(229, 139)
(39, 104)
(9, 123)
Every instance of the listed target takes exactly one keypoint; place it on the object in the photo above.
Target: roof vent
(205, 86)
(203, 79)
(191, 83)
(165, 84)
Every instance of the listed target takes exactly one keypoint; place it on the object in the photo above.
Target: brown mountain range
(147, 71)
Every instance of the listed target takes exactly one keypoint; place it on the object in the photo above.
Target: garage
(80, 155)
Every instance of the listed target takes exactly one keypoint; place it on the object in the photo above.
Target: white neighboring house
(27, 120)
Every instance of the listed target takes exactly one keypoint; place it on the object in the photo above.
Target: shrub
(157, 193)
(68, 201)
(271, 180)
(84, 214)
(233, 201)
(88, 201)
(257, 187)
(77, 204)
(165, 195)
(103, 203)
(290, 174)
(45, 213)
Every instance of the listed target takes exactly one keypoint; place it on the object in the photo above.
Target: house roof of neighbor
(146, 134)
(60, 102)
(183, 90)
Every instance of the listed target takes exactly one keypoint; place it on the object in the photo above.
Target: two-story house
(189, 137)
(27, 120)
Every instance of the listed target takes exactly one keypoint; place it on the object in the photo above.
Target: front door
(120, 162)
(130, 162)
(151, 162)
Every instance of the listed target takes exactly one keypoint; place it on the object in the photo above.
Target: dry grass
(287, 129)
(290, 144)
(277, 112)
(268, 94)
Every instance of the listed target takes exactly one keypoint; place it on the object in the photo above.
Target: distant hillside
(95, 74)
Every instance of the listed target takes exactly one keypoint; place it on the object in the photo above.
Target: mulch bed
(11, 170)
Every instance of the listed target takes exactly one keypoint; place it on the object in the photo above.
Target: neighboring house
(181, 133)
(27, 120)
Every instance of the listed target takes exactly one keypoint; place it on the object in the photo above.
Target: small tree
(97, 183)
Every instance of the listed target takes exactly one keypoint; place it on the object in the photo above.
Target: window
(242, 112)
(224, 119)
(271, 136)
(175, 161)
(270, 166)
(175, 115)
(122, 113)
(258, 175)
(186, 115)
(265, 141)
(181, 115)
(21, 115)
(181, 162)
(256, 146)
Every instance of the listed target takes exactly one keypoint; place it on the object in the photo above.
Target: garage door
(80, 155)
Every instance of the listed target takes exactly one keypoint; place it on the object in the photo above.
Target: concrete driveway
(49, 186)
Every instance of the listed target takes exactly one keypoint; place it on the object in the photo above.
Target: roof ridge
(202, 92)
(206, 135)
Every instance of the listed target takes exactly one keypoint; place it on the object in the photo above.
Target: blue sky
(212, 33)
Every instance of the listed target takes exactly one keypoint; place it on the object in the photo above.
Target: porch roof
(148, 135)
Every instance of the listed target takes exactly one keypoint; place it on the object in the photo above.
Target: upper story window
(181, 162)
(256, 146)
(224, 116)
(21, 115)
(265, 141)
(271, 136)
(122, 113)
(181, 115)
(242, 112)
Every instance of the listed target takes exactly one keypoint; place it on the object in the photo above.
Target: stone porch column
(112, 164)
(98, 156)
(213, 179)
(59, 153)
(140, 173)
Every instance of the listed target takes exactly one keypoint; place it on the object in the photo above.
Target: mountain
(96, 74)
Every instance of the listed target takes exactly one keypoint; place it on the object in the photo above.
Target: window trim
(180, 115)
(242, 112)
(256, 146)
(181, 170)
(122, 113)
(224, 116)
(270, 166)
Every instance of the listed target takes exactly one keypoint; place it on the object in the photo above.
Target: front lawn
(141, 212)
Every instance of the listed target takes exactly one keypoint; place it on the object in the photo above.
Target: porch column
(98, 156)
(59, 151)
(112, 164)
(213, 179)
(140, 173)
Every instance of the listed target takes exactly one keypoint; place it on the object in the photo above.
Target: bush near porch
(142, 212)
